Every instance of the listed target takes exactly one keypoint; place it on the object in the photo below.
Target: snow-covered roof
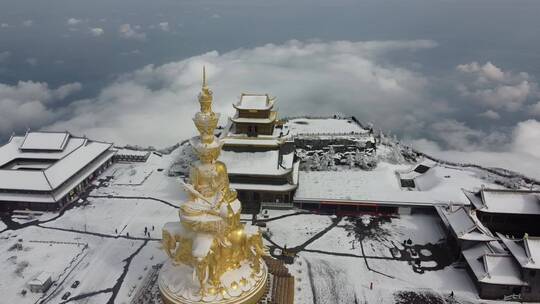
(40, 279)
(338, 126)
(73, 162)
(78, 177)
(474, 198)
(264, 187)
(252, 141)
(52, 141)
(423, 175)
(417, 170)
(382, 185)
(526, 250)
(464, 224)
(24, 180)
(257, 163)
(254, 102)
(10, 151)
(506, 201)
(493, 267)
(77, 154)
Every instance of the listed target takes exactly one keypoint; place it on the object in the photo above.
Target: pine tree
(350, 160)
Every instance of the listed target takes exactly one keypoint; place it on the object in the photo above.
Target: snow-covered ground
(294, 230)
(38, 252)
(131, 174)
(332, 268)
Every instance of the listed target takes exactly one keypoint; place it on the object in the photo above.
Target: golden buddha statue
(210, 245)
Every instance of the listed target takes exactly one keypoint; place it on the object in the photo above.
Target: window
(407, 183)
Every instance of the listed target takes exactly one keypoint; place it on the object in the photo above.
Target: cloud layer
(491, 87)
(30, 104)
(127, 31)
(154, 105)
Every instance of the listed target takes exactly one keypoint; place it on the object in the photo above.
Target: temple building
(49, 170)
(259, 154)
(497, 238)
(513, 212)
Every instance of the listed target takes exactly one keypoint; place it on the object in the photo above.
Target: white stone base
(178, 285)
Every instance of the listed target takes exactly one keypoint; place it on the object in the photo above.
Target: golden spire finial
(205, 97)
(204, 76)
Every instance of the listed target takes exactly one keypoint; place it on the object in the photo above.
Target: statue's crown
(205, 97)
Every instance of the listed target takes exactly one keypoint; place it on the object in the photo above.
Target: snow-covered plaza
(105, 248)
(101, 242)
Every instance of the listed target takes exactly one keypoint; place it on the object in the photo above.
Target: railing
(274, 205)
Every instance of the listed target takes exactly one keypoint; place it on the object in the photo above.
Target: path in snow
(335, 222)
(136, 197)
(329, 284)
(112, 236)
(283, 216)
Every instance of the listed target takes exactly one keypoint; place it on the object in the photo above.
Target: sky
(454, 78)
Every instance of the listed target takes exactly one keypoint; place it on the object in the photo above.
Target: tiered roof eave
(271, 119)
(257, 102)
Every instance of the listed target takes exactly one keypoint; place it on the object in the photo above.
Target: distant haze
(446, 76)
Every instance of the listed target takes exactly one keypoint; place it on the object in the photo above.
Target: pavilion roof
(506, 201)
(255, 102)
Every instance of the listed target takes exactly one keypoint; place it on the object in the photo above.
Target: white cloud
(491, 87)
(28, 23)
(96, 31)
(4, 56)
(164, 26)
(73, 21)
(30, 104)
(457, 135)
(127, 31)
(215, 16)
(132, 52)
(519, 153)
(488, 70)
(515, 161)
(154, 105)
(527, 138)
(4, 25)
(509, 97)
(490, 114)
(66, 90)
(32, 61)
(535, 109)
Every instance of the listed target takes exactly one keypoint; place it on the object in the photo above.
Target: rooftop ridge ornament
(213, 257)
